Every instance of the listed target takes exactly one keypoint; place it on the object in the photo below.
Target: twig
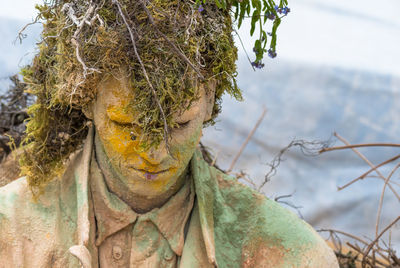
(21, 36)
(278, 199)
(244, 49)
(215, 158)
(367, 161)
(242, 175)
(359, 145)
(345, 234)
(307, 148)
(247, 139)
(166, 134)
(177, 50)
(359, 251)
(369, 258)
(336, 241)
(386, 180)
(79, 27)
(378, 216)
(365, 254)
(394, 258)
(368, 172)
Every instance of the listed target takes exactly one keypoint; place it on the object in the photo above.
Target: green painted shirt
(230, 225)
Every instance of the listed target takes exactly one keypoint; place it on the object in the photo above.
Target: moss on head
(64, 76)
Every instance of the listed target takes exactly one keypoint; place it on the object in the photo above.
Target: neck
(116, 184)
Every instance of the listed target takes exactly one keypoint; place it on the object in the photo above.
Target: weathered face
(151, 172)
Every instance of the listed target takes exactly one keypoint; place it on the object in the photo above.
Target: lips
(150, 175)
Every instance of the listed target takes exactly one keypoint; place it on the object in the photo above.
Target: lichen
(64, 88)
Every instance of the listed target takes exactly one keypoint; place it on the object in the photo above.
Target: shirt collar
(112, 214)
(207, 193)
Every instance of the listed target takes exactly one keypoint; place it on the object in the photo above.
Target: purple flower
(201, 8)
(270, 15)
(271, 53)
(281, 10)
(258, 64)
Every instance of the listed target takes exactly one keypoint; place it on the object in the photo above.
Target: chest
(137, 245)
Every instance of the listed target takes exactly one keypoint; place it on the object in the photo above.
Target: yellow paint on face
(125, 155)
(117, 114)
(148, 172)
(119, 109)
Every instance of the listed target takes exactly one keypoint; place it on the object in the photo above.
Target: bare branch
(359, 145)
(215, 158)
(345, 234)
(307, 148)
(370, 246)
(247, 139)
(244, 49)
(386, 180)
(369, 171)
(280, 199)
(242, 175)
(372, 261)
(368, 162)
(381, 198)
(21, 35)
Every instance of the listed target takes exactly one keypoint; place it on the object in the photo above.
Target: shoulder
(18, 206)
(13, 195)
(271, 236)
(22, 221)
(34, 233)
(19, 209)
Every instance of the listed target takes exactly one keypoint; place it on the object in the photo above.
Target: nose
(155, 155)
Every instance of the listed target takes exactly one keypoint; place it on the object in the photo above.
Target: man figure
(127, 199)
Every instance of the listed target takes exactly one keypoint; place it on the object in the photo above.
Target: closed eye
(123, 124)
(183, 124)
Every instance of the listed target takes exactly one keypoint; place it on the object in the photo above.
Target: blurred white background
(338, 69)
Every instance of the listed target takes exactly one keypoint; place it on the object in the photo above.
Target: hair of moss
(57, 125)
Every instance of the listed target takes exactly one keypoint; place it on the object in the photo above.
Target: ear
(210, 98)
(88, 110)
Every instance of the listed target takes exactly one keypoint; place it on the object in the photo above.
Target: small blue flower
(285, 10)
(270, 15)
(201, 8)
(258, 65)
(272, 53)
(280, 10)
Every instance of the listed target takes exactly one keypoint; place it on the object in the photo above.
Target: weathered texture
(9, 168)
(230, 226)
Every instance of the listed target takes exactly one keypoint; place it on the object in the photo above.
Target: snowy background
(338, 69)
